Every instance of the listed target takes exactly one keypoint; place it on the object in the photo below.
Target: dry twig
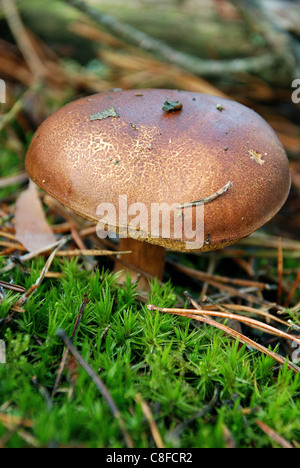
(279, 270)
(11, 264)
(293, 289)
(12, 180)
(24, 298)
(22, 38)
(148, 415)
(273, 435)
(99, 384)
(209, 199)
(65, 354)
(200, 316)
(90, 252)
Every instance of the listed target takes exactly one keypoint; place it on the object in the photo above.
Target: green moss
(173, 365)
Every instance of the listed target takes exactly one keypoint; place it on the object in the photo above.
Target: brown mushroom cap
(155, 156)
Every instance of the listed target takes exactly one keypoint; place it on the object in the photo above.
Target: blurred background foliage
(56, 51)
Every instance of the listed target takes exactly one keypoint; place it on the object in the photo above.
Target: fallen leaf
(32, 229)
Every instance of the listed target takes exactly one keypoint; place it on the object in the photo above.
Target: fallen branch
(200, 67)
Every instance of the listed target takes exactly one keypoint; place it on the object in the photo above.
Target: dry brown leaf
(32, 229)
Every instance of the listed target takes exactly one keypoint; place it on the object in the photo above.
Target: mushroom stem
(145, 261)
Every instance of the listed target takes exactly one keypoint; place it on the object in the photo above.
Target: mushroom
(123, 158)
